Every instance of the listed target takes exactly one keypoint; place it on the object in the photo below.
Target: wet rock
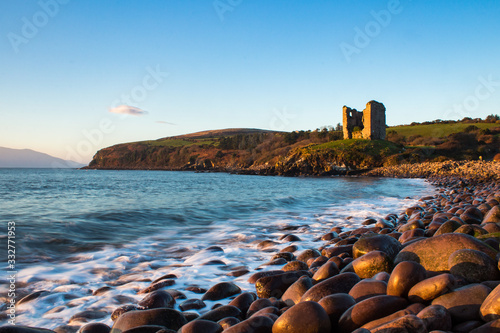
(121, 310)
(491, 327)
(290, 248)
(221, 313)
(383, 243)
(176, 294)
(276, 285)
(305, 317)
(407, 324)
(493, 215)
(307, 254)
(436, 317)
(254, 277)
(370, 309)
(295, 292)
(368, 288)
(95, 328)
(258, 305)
(431, 288)
(157, 299)
(336, 250)
(85, 316)
(370, 264)
(228, 322)
(201, 326)
(447, 227)
(192, 304)
(196, 289)
(62, 329)
(238, 272)
(295, 265)
(165, 277)
(490, 309)
(291, 238)
(404, 276)
(243, 301)
(169, 318)
(156, 286)
(22, 329)
(335, 305)
(220, 291)
(266, 244)
(101, 291)
(472, 265)
(467, 326)
(341, 283)
(148, 329)
(387, 319)
(271, 312)
(433, 253)
(326, 271)
(288, 256)
(257, 324)
(32, 296)
(472, 215)
(463, 303)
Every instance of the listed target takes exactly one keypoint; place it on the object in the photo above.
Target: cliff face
(262, 153)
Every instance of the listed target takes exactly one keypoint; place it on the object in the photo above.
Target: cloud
(130, 110)
(164, 122)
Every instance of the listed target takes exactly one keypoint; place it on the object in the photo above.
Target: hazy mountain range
(27, 158)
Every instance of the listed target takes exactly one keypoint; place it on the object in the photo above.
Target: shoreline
(337, 259)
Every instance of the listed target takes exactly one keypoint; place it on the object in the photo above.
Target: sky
(78, 76)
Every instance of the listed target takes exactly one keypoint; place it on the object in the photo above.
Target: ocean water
(80, 230)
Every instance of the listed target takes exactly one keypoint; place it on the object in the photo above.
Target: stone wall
(367, 124)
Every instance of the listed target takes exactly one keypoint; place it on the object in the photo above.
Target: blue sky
(197, 65)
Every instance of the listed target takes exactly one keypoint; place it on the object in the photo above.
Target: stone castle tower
(367, 124)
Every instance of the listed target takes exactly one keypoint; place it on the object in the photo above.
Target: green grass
(178, 142)
(365, 145)
(437, 130)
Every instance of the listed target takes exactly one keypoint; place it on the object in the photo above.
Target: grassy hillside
(437, 130)
(319, 152)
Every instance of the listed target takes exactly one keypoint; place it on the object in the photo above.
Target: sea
(76, 231)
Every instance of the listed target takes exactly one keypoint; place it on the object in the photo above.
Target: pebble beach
(431, 268)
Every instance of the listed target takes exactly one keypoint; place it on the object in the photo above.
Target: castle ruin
(367, 124)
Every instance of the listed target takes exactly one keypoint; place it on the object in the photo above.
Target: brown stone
(493, 215)
(326, 271)
(221, 312)
(370, 264)
(305, 317)
(243, 301)
(404, 276)
(474, 266)
(169, 318)
(370, 309)
(220, 291)
(335, 305)
(433, 253)
(257, 324)
(295, 292)
(382, 243)
(368, 288)
(490, 309)
(201, 326)
(276, 285)
(436, 317)
(295, 265)
(431, 288)
(491, 327)
(464, 303)
(341, 283)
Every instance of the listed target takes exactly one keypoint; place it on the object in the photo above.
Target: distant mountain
(27, 158)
